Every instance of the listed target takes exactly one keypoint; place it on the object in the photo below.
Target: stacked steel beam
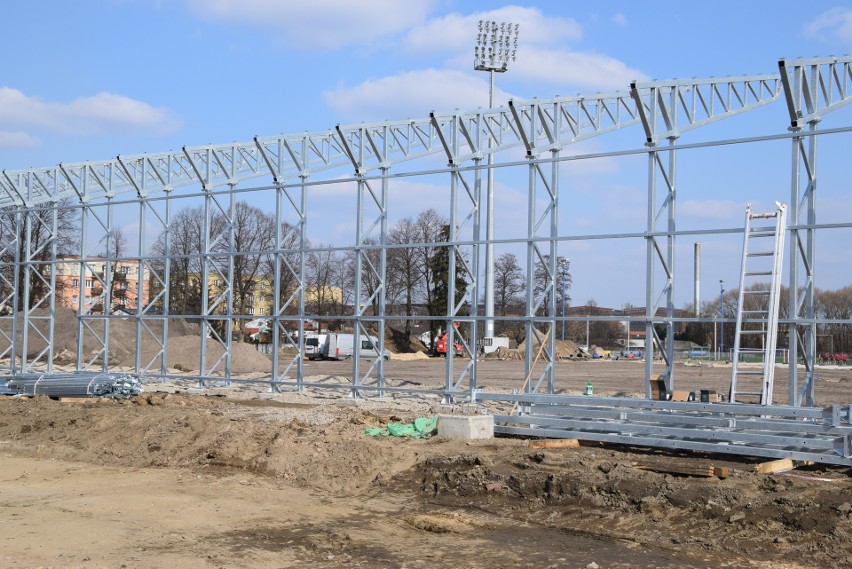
(108, 385)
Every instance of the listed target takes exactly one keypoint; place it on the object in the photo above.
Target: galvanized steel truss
(289, 164)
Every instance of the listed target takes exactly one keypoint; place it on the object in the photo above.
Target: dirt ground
(236, 477)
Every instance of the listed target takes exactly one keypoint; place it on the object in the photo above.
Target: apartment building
(76, 281)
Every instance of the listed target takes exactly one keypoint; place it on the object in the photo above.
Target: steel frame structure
(291, 165)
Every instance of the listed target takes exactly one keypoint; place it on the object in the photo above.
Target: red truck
(441, 347)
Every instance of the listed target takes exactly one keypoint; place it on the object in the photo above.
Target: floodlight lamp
(496, 45)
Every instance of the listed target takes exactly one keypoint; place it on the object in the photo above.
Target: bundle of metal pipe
(110, 385)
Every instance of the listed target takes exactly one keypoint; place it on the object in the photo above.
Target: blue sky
(90, 79)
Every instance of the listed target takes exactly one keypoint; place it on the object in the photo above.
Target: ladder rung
(761, 254)
(749, 372)
(748, 393)
(755, 312)
(755, 292)
(759, 274)
(752, 332)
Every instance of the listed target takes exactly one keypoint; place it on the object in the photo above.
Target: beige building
(74, 283)
(258, 302)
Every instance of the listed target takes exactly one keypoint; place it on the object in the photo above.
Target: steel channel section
(679, 444)
(535, 255)
(658, 430)
(658, 108)
(99, 219)
(568, 401)
(812, 88)
(471, 129)
(780, 431)
(465, 209)
(281, 156)
(162, 296)
(10, 263)
(358, 146)
(802, 335)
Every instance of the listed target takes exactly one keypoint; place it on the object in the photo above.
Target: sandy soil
(232, 479)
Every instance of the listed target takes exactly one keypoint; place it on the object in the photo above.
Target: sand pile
(564, 349)
(183, 346)
(410, 357)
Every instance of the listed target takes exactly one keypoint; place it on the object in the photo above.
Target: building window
(89, 283)
(124, 285)
(263, 286)
(217, 282)
(124, 270)
(75, 299)
(122, 301)
(251, 311)
(75, 282)
(262, 311)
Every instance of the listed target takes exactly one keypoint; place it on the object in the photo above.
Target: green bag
(421, 428)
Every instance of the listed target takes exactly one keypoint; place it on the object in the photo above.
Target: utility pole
(721, 315)
(495, 45)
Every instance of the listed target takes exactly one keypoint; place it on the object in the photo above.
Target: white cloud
(327, 24)
(17, 139)
(543, 54)
(104, 112)
(620, 20)
(412, 94)
(581, 70)
(836, 22)
(543, 59)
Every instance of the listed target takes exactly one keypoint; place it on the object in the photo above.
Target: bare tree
(184, 249)
(509, 283)
(37, 229)
(542, 280)
(836, 305)
(254, 236)
(430, 229)
(403, 265)
(289, 273)
(118, 286)
(322, 295)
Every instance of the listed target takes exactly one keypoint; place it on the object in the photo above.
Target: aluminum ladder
(757, 307)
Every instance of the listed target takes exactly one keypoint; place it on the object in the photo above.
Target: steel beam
(812, 89)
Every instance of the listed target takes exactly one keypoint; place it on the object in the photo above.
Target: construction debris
(55, 386)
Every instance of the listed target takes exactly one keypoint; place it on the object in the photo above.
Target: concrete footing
(466, 427)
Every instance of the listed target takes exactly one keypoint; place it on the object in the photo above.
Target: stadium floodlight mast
(496, 44)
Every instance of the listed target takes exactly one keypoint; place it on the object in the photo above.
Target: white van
(341, 346)
(313, 346)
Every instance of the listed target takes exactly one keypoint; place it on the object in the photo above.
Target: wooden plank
(721, 472)
(780, 465)
(554, 443)
(686, 470)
